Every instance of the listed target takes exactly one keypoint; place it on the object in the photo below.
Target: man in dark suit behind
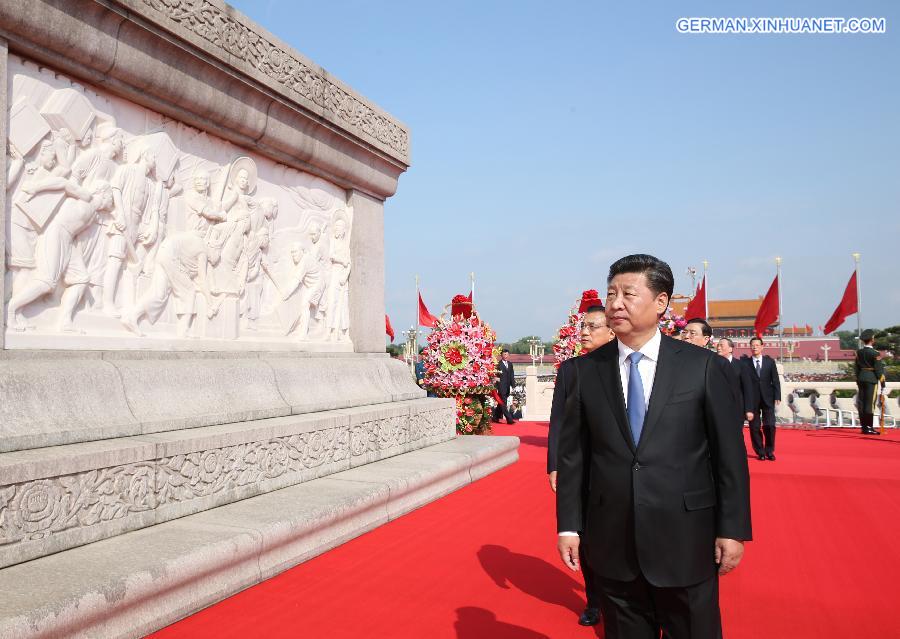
(595, 332)
(698, 332)
(651, 424)
(505, 382)
(744, 391)
(765, 396)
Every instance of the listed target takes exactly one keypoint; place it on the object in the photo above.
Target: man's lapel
(666, 372)
(607, 360)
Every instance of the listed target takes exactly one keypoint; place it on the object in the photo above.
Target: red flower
(453, 356)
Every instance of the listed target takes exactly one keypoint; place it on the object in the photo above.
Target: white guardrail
(816, 403)
(806, 402)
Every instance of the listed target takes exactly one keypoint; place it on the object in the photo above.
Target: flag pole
(472, 287)
(858, 303)
(416, 325)
(780, 311)
(705, 291)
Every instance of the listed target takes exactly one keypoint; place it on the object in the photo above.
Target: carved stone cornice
(242, 43)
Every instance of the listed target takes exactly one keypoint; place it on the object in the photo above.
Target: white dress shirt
(647, 369)
(646, 366)
(757, 365)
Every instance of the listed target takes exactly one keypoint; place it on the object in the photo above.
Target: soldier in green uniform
(869, 374)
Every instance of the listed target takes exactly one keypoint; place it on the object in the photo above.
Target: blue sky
(549, 139)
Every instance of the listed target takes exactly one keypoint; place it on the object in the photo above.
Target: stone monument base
(139, 487)
(138, 582)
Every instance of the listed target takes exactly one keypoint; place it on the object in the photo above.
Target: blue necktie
(636, 404)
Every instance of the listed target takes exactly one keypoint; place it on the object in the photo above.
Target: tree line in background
(887, 340)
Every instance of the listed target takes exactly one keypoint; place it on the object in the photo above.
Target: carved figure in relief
(338, 314)
(31, 211)
(202, 212)
(181, 270)
(64, 148)
(98, 163)
(158, 207)
(264, 214)
(59, 258)
(306, 280)
(229, 276)
(256, 245)
(255, 248)
(14, 166)
(133, 184)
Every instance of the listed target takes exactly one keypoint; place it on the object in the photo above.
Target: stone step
(59, 497)
(55, 398)
(138, 582)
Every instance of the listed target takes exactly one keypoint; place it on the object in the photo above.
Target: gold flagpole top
(856, 257)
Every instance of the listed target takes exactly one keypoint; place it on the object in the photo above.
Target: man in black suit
(765, 396)
(595, 332)
(652, 426)
(698, 332)
(744, 390)
(504, 384)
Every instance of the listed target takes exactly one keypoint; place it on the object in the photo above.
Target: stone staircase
(136, 488)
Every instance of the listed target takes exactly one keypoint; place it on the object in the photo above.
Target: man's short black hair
(596, 308)
(706, 330)
(505, 350)
(757, 337)
(727, 339)
(659, 275)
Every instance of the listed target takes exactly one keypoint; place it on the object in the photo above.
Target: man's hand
(778, 402)
(552, 478)
(749, 416)
(728, 553)
(568, 551)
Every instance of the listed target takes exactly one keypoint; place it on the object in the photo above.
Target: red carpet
(481, 563)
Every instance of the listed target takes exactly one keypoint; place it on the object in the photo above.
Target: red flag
(388, 329)
(697, 306)
(768, 310)
(809, 330)
(848, 306)
(426, 319)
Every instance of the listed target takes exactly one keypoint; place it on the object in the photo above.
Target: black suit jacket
(741, 383)
(507, 379)
(765, 388)
(557, 412)
(655, 508)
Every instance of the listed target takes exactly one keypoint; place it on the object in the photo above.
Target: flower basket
(460, 361)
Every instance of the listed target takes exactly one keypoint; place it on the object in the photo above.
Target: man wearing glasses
(595, 332)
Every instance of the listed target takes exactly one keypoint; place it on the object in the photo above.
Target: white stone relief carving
(199, 241)
(37, 509)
